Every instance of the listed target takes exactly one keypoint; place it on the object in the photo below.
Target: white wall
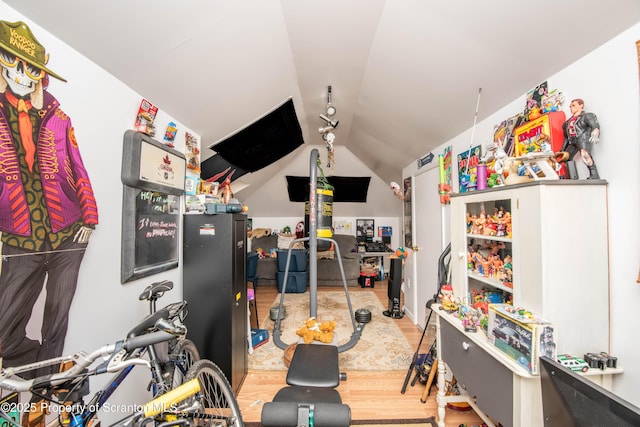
(607, 79)
(101, 109)
(273, 199)
(341, 224)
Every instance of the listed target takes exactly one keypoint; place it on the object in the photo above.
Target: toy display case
(558, 245)
(542, 263)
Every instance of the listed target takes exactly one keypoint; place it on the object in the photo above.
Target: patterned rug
(382, 346)
(425, 422)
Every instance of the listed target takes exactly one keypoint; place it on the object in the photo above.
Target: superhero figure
(581, 131)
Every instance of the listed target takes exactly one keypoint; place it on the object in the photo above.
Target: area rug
(425, 422)
(382, 345)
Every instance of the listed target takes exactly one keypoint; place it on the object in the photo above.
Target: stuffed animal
(312, 330)
(260, 232)
(262, 254)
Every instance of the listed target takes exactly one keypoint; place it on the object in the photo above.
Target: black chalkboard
(156, 228)
(149, 233)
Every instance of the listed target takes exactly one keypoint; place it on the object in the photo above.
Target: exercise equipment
(310, 397)
(312, 240)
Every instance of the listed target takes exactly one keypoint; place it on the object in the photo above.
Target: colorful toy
(443, 188)
(572, 362)
(401, 253)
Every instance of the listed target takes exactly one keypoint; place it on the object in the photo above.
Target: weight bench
(310, 399)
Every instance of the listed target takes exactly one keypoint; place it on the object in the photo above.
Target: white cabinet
(559, 254)
(558, 246)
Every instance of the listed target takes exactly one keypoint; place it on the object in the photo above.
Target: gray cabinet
(215, 287)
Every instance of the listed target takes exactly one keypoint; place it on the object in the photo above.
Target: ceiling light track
(330, 125)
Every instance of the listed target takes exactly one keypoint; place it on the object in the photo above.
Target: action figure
(581, 131)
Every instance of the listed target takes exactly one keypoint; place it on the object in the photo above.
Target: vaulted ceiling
(405, 74)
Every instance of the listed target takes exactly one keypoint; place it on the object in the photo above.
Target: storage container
(367, 279)
(298, 261)
(296, 282)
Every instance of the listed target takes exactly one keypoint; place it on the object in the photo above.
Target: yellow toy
(314, 331)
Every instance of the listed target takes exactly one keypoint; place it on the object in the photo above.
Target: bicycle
(216, 403)
(170, 409)
(169, 365)
(218, 400)
(64, 392)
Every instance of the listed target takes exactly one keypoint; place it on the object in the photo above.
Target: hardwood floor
(370, 394)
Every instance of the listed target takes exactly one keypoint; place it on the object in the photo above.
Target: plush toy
(262, 254)
(260, 232)
(312, 330)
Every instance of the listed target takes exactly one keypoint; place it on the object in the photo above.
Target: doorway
(431, 237)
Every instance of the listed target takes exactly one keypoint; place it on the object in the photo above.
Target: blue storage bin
(296, 282)
(298, 261)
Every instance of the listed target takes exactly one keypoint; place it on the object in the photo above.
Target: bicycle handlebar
(82, 360)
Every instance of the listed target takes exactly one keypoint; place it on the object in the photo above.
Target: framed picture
(365, 230)
(408, 239)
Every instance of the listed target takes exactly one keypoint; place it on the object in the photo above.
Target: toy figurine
(447, 300)
(581, 131)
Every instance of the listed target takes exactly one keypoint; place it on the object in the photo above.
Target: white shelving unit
(558, 246)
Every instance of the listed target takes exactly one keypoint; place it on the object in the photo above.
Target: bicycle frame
(70, 386)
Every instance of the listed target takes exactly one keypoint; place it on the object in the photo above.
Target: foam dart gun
(443, 188)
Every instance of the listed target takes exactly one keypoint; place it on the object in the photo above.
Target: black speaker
(394, 286)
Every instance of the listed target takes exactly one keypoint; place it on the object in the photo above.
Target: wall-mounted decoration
(170, 134)
(153, 175)
(145, 118)
(192, 154)
(425, 160)
(467, 162)
(408, 239)
(365, 230)
(638, 48)
(48, 208)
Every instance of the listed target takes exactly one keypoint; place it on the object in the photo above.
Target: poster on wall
(408, 239)
(467, 163)
(43, 176)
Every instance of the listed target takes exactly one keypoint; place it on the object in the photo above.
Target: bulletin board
(153, 176)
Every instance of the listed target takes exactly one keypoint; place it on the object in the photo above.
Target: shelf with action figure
(550, 257)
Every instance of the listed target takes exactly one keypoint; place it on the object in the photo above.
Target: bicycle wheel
(183, 355)
(219, 406)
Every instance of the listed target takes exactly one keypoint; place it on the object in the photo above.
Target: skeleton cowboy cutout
(47, 206)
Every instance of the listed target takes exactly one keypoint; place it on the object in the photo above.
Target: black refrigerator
(215, 288)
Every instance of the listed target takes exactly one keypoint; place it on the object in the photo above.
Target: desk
(379, 260)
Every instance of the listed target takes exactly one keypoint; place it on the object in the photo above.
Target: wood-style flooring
(371, 395)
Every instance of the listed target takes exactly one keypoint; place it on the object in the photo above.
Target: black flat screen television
(264, 141)
(345, 188)
(569, 399)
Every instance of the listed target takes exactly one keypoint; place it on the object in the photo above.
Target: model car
(572, 362)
